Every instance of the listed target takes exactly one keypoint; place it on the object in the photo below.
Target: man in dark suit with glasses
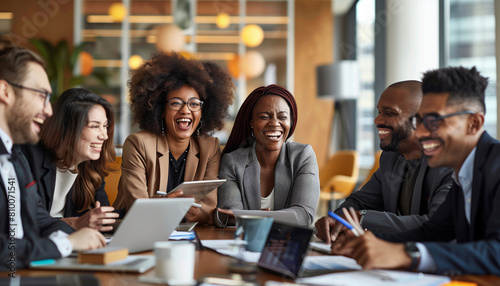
(27, 232)
(450, 128)
(404, 192)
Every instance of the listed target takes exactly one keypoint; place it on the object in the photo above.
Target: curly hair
(241, 133)
(163, 73)
(221, 96)
(63, 130)
(465, 86)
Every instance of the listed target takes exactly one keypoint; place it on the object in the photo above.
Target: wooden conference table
(208, 263)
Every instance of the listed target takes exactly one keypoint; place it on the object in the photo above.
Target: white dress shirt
(9, 179)
(464, 180)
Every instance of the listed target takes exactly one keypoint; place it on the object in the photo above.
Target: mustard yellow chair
(374, 168)
(338, 177)
(112, 180)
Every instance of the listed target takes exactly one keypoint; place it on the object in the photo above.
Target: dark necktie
(21, 166)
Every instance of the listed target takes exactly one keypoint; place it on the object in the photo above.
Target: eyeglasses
(45, 94)
(193, 104)
(431, 121)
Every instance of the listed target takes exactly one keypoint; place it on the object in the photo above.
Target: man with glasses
(404, 192)
(27, 232)
(450, 129)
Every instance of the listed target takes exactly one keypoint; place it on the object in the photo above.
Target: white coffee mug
(175, 261)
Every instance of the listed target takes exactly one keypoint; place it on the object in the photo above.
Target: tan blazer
(145, 169)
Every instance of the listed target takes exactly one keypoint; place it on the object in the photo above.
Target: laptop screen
(285, 249)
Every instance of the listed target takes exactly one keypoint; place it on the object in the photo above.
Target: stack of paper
(329, 262)
(182, 235)
(375, 278)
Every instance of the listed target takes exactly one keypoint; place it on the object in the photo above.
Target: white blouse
(267, 202)
(64, 181)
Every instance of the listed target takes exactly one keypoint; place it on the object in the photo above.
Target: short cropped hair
(163, 73)
(465, 86)
(414, 88)
(241, 133)
(14, 63)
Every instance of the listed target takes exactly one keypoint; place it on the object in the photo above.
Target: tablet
(198, 189)
(285, 249)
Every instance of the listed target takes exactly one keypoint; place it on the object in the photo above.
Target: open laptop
(148, 221)
(285, 250)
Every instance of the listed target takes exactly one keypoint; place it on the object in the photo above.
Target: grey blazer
(380, 195)
(296, 182)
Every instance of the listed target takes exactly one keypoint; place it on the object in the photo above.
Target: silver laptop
(148, 221)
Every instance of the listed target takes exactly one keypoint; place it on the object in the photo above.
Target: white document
(321, 246)
(279, 216)
(329, 262)
(375, 278)
(229, 248)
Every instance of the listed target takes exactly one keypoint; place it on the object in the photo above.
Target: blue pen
(42, 262)
(344, 222)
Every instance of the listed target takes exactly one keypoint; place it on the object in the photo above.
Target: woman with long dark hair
(71, 160)
(263, 170)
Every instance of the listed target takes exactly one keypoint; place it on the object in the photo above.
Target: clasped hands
(99, 218)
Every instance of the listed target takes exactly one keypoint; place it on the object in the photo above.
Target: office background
(390, 40)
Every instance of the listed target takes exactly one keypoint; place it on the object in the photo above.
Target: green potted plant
(61, 62)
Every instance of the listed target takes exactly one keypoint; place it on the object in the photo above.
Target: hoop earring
(163, 127)
(199, 127)
(251, 132)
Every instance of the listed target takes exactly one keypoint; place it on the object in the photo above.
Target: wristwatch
(362, 214)
(412, 250)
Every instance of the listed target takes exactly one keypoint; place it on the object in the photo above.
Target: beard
(398, 135)
(19, 123)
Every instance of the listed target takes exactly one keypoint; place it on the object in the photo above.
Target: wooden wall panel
(48, 19)
(313, 47)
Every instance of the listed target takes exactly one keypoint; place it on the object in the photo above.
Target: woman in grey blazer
(262, 170)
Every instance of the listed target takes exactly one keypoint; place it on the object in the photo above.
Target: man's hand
(328, 229)
(372, 252)
(86, 239)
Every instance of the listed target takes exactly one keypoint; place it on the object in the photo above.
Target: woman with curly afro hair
(178, 103)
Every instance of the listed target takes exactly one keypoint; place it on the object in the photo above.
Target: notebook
(149, 221)
(285, 249)
(133, 263)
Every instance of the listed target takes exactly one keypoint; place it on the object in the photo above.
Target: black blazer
(477, 250)
(44, 172)
(37, 226)
(380, 195)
